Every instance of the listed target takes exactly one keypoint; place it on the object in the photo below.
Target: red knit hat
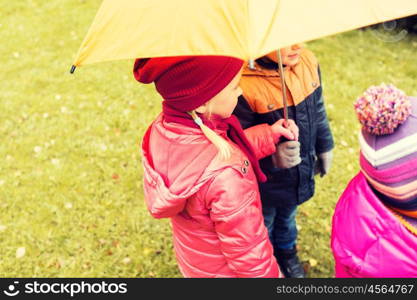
(187, 82)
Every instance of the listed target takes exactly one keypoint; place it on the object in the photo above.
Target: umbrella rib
(250, 40)
(174, 25)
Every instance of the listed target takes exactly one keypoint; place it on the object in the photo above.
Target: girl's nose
(296, 46)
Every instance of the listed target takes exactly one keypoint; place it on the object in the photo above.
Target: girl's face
(290, 55)
(224, 102)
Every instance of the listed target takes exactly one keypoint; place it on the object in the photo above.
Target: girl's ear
(202, 109)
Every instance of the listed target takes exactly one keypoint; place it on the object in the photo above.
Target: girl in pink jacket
(201, 169)
(374, 231)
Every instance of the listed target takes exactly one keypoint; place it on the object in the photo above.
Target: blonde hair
(223, 147)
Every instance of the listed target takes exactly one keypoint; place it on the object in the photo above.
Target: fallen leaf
(37, 149)
(126, 260)
(61, 262)
(55, 161)
(312, 262)
(20, 252)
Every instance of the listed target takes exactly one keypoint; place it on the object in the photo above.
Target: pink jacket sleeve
(341, 271)
(261, 139)
(235, 209)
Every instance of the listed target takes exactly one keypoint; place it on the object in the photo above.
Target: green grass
(70, 172)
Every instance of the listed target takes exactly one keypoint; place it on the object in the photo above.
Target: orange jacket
(262, 87)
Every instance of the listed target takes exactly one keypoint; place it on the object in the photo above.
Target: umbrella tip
(73, 69)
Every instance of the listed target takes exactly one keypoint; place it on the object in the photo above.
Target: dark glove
(287, 155)
(323, 163)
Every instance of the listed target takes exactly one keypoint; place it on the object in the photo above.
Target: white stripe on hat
(397, 150)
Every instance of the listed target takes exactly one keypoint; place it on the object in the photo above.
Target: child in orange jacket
(291, 169)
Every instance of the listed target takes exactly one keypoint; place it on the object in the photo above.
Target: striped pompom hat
(388, 141)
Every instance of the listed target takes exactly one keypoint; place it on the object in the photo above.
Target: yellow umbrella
(248, 29)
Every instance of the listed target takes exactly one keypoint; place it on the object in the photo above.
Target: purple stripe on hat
(394, 174)
(395, 184)
(409, 127)
(409, 204)
(405, 204)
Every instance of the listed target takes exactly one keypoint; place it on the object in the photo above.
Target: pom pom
(382, 108)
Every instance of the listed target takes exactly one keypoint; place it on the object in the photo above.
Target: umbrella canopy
(247, 29)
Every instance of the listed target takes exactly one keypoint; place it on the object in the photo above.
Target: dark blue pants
(281, 225)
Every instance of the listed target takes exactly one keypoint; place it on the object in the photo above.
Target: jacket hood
(175, 158)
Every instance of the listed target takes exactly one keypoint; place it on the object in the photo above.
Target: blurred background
(71, 198)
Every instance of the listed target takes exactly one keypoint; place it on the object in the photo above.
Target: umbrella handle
(284, 92)
(284, 95)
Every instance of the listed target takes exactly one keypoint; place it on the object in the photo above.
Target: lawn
(71, 198)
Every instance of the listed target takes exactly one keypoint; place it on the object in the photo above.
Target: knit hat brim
(187, 82)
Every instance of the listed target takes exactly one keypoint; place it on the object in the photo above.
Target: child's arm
(236, 211)
(324, 141)
(261, 136)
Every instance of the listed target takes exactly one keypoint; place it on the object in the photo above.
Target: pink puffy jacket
(214, 206)
(367, 239)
